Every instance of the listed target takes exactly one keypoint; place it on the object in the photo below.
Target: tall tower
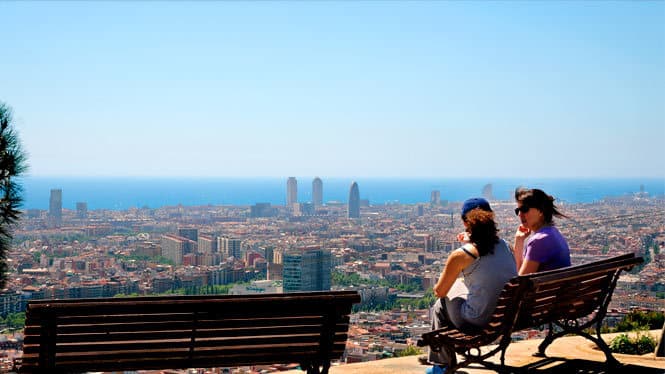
(435, 198)
(354, 201)
(487, 192)
(55, 207)
(291, 191)
(82, 210)
(317, 192)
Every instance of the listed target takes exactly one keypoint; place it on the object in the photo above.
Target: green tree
(12, 165)
(410, 350)
(639, 320)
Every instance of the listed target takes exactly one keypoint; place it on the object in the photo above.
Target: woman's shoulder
(546, 232)
(465, 253)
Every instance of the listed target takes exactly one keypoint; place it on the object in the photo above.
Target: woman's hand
(518, 249)
(463, 237)
(521, 234)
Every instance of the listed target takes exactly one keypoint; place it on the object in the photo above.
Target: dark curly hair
(482, 230)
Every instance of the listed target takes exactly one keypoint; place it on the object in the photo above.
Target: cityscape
(173, 148)
(390, 253)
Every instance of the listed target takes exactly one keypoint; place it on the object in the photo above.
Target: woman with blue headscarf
(486, 263)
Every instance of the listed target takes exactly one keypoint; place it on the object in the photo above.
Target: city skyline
(124, 193)
(337, 89)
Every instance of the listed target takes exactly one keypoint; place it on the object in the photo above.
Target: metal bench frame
(574, 299)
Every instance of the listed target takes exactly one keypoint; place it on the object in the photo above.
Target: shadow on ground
(552, 365)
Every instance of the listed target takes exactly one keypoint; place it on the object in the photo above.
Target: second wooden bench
(63, 336)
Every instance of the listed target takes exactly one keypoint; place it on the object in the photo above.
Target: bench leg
(551, 336)
(313, 368)
(546, 342)
(325, 367)
(480, 358)
(609, 358)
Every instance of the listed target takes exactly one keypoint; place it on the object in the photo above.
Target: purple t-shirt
(547, 247)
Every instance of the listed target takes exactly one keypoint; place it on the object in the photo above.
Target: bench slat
(226, 357)
(593, 268)
(175, 317)
(159, 335)
(240, 356)
(186, 344)
(246, 324)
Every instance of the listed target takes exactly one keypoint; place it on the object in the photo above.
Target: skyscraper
(291, 191)
(317, 192)
(82, 210)
(435, 198)
(306, 270)
(487, 192)
(354, 201)
(55, 207)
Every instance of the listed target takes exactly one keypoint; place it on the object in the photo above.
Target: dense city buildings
(392, 257)
(354, 201)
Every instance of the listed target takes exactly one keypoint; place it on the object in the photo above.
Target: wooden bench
(175, 332)
(573, 299)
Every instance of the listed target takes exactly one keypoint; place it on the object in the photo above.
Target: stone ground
(572, 354)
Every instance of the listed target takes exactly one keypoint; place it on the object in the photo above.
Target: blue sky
(337, 89)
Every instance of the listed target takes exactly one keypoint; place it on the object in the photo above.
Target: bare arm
(529, 267)
(518, 249)
(456, 262)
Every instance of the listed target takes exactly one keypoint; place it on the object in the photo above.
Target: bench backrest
(503, 317)
(532, 300)
(529, 294)
(186, 331)
(570, 293)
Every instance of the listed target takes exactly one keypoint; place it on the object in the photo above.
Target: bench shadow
(554, 365)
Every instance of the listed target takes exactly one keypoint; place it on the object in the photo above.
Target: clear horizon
(384, 89)
(126, 192)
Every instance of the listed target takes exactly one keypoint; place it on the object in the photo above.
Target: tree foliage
(13, 321)
(639, 320)
(12, 165)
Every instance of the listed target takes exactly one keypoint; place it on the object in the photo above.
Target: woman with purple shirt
(539, 246)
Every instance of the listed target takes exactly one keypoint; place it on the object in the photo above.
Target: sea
(121, 193)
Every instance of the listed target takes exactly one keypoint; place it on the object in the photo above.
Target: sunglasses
(522, 209)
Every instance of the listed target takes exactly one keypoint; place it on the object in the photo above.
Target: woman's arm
(518, 249)
(528, 267)
(456, 262)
